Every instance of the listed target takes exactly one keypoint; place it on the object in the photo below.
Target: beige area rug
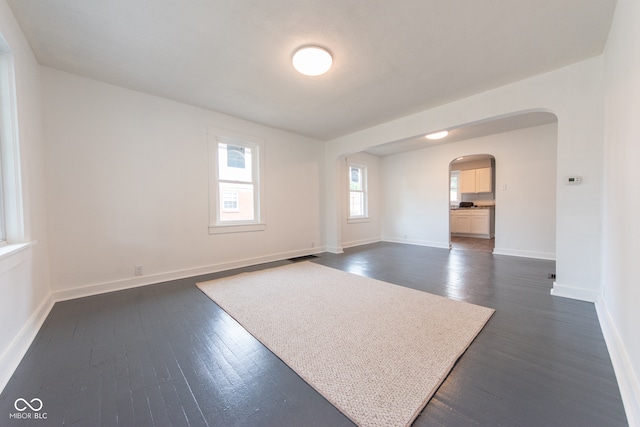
(375, 350)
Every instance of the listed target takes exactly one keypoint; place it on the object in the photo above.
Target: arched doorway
(472, 202)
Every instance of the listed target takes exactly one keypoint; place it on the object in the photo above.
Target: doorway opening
(472, 203)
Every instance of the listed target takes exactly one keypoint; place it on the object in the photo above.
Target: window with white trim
(454, 187)
(3, 238)
(11, 213)
(236, 194)
(357, 191)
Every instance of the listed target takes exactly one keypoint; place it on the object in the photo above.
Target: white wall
(620, 311)
(416, 191)
(127, 180)
(367, 231)
(127, 172)
(24, 286)
(574, 95)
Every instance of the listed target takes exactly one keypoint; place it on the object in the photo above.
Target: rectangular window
(236, 183)
(3, 238)
(236, 201)
(454, 187)
(357, 191)
(11, 210)
(3, 234)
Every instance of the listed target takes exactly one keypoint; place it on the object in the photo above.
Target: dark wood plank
(167, 355)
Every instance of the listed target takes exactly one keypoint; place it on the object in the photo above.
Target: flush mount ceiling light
(312, 60)
(437, 135)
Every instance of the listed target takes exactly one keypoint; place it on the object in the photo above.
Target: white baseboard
(431, 244)
(12, 356)
(572, 292)
(525, 254)
(133, 282)
(628, 380)
(360, 242)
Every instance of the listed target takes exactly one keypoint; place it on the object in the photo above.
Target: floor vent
(302, 258)
(551, 276)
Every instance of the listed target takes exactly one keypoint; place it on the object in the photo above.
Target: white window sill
(14, 255)
(357, 220)
(225, 229)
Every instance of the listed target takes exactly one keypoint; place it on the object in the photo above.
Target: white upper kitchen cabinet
(483, 180)
(476, 180)
(468, 181)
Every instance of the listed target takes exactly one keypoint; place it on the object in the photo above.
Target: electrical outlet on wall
(138, 270)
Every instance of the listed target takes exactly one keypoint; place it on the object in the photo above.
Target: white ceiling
(391, 58)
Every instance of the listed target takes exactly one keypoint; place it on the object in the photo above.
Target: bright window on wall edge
(454, 187)
(11, 218)
(236, 182)
(358, 197)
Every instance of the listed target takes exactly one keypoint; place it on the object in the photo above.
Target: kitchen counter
(453, 208)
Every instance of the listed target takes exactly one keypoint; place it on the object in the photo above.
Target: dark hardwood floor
(166, 355)
(472, 244)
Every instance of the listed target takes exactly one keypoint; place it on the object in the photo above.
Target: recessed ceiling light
(312, 60)
(437, 135)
